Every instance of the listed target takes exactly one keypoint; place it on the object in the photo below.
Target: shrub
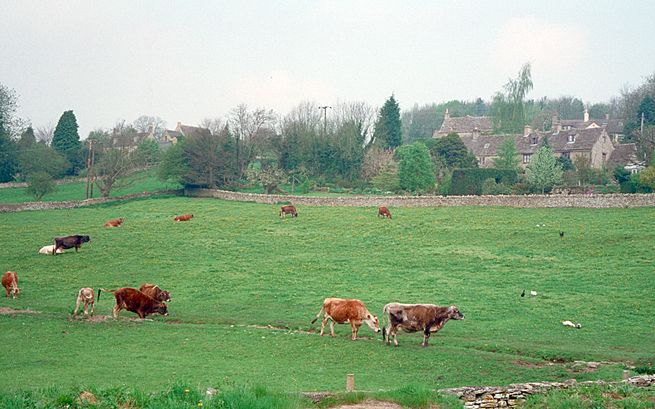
(40, 184)
(469, 181)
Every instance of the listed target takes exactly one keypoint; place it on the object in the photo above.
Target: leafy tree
(66, 141)
(388, 127)
(8, 156)
(415, 168)
(583, 169)
(565, 163)
(647, 107)
(41, 158)
(599, 110)
(387, 179)
(40, 184)
(174, 165)
(269, 177)
(147, 153)
(252, 130)
(508, 155)
(8, 106)
(27, 139)
(509, 106)
(647, 177)
(543, 172)
(451, 151)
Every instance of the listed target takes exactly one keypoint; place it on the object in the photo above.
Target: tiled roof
(623, 154)
(466, 124)
(190, 131)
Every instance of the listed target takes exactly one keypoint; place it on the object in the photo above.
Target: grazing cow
(69, 242)
(85, 295)
(115, 222)
(384, 212)
(135, 301)
(49, 249)
(153, 291)
(10, 283)
(183, 218)
(342, 311)
(289, 209)
(428, 318)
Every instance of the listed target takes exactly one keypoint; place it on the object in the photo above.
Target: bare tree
(144, 122)
(45, 133)
(358, 114)
(115, 164)
(215, 125)
(251, 129)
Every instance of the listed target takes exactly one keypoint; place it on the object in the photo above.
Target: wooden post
(626, 375)
(350, 382)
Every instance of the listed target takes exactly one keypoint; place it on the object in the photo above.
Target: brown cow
(342, 311)
(85, 295)
(183, 218)
(10, 283)
(384, 212)
(135, 301)
(428, 318)
(115, 222)
(153, 291)
(69, 242)
(289, 209)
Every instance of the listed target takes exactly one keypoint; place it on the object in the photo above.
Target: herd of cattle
(150, 298)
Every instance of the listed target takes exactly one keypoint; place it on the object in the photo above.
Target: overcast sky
(189, 60)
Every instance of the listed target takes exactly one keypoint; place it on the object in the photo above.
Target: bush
(470, 181)
(40, 184)
(490, 187)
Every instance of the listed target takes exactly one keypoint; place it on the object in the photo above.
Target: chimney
(527, 130)
(179, 126)
(446, 115)
(475, 133)
(585, 116)
(556, 125)
(607, 117)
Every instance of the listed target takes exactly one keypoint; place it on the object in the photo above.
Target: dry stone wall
(515, 394)
(523, 201)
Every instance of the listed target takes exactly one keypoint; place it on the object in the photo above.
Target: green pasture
(246, 284)
(144, 181)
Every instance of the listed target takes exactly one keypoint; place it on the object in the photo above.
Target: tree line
(350, 145)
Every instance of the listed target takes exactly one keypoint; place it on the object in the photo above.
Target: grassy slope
(145, 181)
(237, 263)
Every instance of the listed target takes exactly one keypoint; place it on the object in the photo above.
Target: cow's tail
(318, 315)
(102, 289)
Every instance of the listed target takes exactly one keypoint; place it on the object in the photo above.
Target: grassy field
(237, 269)
(145, 181)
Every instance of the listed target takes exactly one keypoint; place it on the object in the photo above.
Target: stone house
(183, 131)
(464, 126)
(130, 141)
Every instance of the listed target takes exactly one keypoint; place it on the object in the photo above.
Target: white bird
(533, 293)
(571, 324)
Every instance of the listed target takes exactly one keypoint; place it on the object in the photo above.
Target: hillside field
(246, 284)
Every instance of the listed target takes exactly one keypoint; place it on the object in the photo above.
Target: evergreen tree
(27, 139)
(543, 171)
(647, 107)
(66, 141)
(415, 168)
(388, 132)
(508, 156)
(8, 156)
(451, 151)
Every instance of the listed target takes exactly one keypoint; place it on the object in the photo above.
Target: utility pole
(88, 168)
(325, 108)
(93, 157)
(642, 123)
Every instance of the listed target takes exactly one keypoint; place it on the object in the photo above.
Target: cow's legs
(354, 329)
(325, 318)
(93, 305)
(77, 306)
(115, 311)
(332, 328)
(426, 336)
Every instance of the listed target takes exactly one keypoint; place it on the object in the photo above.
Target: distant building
(464, 126)
(183, 131)
(129, 141)
(625, 155)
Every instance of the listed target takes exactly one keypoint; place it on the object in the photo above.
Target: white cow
(48, 249)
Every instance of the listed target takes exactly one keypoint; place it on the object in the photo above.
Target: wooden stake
(350, 382)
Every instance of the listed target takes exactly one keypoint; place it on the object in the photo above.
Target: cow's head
(162, 309)
(165, 296)
(454, 314)
(86, 239)
(15, 292)
(373, 322)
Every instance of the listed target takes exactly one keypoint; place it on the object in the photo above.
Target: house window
(526, 158)
(534, 140)
(566, 155)
(571, 139)
(604, 157)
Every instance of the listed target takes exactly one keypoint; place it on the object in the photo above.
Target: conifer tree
(66, 141)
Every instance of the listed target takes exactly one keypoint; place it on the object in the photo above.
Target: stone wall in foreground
(525, 201)
(515, 395)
